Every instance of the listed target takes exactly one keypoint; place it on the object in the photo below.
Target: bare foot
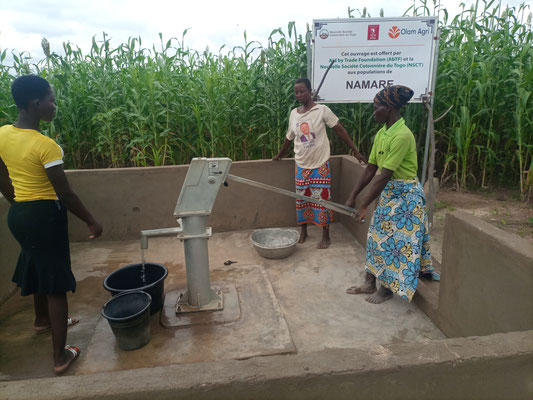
(383, 294)
(71, 321)
(303, 234)
(71, 354)
(325, 242)
(367, 287)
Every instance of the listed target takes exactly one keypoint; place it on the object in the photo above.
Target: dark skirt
(41, 228)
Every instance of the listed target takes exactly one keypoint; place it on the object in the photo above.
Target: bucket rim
(129, 266)
(129, 317)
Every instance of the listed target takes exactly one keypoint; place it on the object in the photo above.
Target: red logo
(394, 32)
(373, 32)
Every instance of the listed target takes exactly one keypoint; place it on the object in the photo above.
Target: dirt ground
(501, 208)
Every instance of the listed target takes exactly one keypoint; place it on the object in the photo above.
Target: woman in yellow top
(33, 181)
(397, 247)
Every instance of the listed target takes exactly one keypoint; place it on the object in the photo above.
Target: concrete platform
(294, 305)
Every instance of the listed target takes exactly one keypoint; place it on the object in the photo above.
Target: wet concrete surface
(293, 305)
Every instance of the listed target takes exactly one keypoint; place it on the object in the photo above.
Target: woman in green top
(397, 248)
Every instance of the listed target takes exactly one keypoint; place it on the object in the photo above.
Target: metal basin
(275, 242)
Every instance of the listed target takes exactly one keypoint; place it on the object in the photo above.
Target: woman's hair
(395, 96)
(27, 88)
(305, 81)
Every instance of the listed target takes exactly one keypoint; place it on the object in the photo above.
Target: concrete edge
(503, 238)
(7, 296)
(209, 378)
(498, 264)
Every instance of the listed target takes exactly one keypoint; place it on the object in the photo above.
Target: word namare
(369, 84)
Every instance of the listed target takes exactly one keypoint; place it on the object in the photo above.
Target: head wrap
(395, 96)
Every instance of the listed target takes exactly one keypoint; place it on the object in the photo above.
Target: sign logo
(324, 34)
(373, 32)
(394, 32)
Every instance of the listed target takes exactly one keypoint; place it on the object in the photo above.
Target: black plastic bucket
(128, 315)
(130, 278)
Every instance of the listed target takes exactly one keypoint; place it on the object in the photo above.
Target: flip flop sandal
(75, 354)
(432, 276)
(70, 322)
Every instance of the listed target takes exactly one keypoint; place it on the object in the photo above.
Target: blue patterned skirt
(397, 247)
(315, 183)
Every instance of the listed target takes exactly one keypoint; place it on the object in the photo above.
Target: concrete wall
(487, 276)
(487, 279)
(492, 367)
(128, 200)
(351, 172)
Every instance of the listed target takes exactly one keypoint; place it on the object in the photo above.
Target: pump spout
(157, 232)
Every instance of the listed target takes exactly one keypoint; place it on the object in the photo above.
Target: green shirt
(395, 149)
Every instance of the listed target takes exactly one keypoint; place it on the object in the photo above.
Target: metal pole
(196, 261)
(308, 44)
(315, 96)
(352, 212)
(431, 101)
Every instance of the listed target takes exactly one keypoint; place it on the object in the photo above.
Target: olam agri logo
(394, 32)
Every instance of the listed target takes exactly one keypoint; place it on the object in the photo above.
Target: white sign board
(370, 54)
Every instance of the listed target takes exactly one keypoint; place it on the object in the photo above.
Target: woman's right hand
(361, 158)
(361, 215)
(96, 230)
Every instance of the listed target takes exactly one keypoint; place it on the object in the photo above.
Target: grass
(439, 205)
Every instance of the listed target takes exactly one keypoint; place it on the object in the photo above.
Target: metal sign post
(431, 103)
(308, 42)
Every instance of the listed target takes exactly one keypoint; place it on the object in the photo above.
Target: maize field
(134, 106)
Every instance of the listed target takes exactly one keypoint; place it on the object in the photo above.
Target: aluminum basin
(275, 242)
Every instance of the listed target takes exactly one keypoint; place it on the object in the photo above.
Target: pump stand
(199, 295)
(195, 202)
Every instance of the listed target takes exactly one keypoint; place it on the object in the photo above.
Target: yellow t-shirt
(27, 153)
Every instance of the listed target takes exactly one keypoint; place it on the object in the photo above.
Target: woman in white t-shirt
(307, 128)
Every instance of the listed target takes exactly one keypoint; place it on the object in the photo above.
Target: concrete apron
(333, 345)
(293, 305)
(491, 367)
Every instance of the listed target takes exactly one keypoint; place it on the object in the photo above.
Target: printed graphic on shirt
(306, 134)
